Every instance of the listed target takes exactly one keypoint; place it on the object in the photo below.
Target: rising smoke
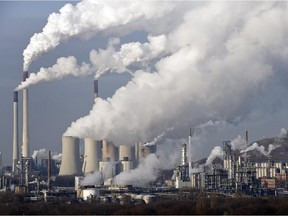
(218, 57)
(261, 149)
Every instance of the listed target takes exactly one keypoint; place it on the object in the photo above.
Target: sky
(218, 68)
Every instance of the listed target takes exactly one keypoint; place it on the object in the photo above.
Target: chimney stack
(95, 88)
(15, 133)
(25, 136)
(49, 170)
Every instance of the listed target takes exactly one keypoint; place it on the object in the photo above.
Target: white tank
(92, 151)
(108, 151)
(125, 152)
(126, 166)
(71, 164)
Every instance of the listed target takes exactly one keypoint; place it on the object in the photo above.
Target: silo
(71, 164)
(108, 151)
(91, 155)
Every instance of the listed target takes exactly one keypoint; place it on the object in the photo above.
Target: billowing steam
(216, 152)
(90, 17)
(145, 173)
(43, 154)
(213, 61)
(219, 62)
(159, 137)
(102, 61)
(261, 149)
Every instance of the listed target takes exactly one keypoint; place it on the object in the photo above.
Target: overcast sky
(54, 105)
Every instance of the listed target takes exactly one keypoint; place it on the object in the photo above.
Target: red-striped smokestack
(15, 157)
(25, 137)
(95, 88)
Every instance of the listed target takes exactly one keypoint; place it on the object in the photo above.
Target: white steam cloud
(216, 152)
(261, 149)
(102, 61)
(88, 18)
(145, 173)
(43, 154)
(211, 62)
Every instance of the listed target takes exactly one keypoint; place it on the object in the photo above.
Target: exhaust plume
(216, 152)
(214, 71)
(88, 18)
(261, 149)
(102, 61)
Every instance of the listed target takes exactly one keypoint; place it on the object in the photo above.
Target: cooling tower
(15, 156)
(125, 153)
(107, 168)
(91, 155)
(108, 151)
(142, 151)
(71, 164)
(25, 138)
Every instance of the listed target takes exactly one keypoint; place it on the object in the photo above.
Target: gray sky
(54, 105)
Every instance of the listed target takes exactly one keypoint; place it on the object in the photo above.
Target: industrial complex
(91, 177)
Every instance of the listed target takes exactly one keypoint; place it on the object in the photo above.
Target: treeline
(15, 205)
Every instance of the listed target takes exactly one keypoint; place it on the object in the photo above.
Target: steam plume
(261, 149)
(88, 18)
(216, 152)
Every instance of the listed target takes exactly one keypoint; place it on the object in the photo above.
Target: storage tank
(70, 164)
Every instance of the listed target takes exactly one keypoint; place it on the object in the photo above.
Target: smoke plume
(261, 149)
(216, 152)
(88, 18)
(145, 173)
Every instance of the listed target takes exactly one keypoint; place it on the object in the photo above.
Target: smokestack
(25, 137)
(70, 164)
(95, 88)
(246, 142)
(91, 156)
(15, 157)
(49, 170)
(183, 154)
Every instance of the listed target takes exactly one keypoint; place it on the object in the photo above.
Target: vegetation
(15, 204)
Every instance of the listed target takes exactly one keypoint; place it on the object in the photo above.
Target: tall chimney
(246, 142)
(15, 157)
(95, 88)
(25, 137)
(49, 170)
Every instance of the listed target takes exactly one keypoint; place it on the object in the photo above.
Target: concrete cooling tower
(125, 153)
(71, 164)
(142, 151)
(108, 151)
(92, 155)
(15, 156)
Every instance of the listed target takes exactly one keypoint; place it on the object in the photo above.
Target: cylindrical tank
(108, 151)
(91, 156)
(71, 164)
(25, 132)
(15, 157)
(125, 152)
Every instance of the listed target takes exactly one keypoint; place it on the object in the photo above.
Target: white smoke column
(159, 137)
(216, 152)
(89, 17)
(283, 133)
(261, 149)
(95, 178)
(145, 173)
(238, 143)
(43, 154)
(101, 61)
(63, 67)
